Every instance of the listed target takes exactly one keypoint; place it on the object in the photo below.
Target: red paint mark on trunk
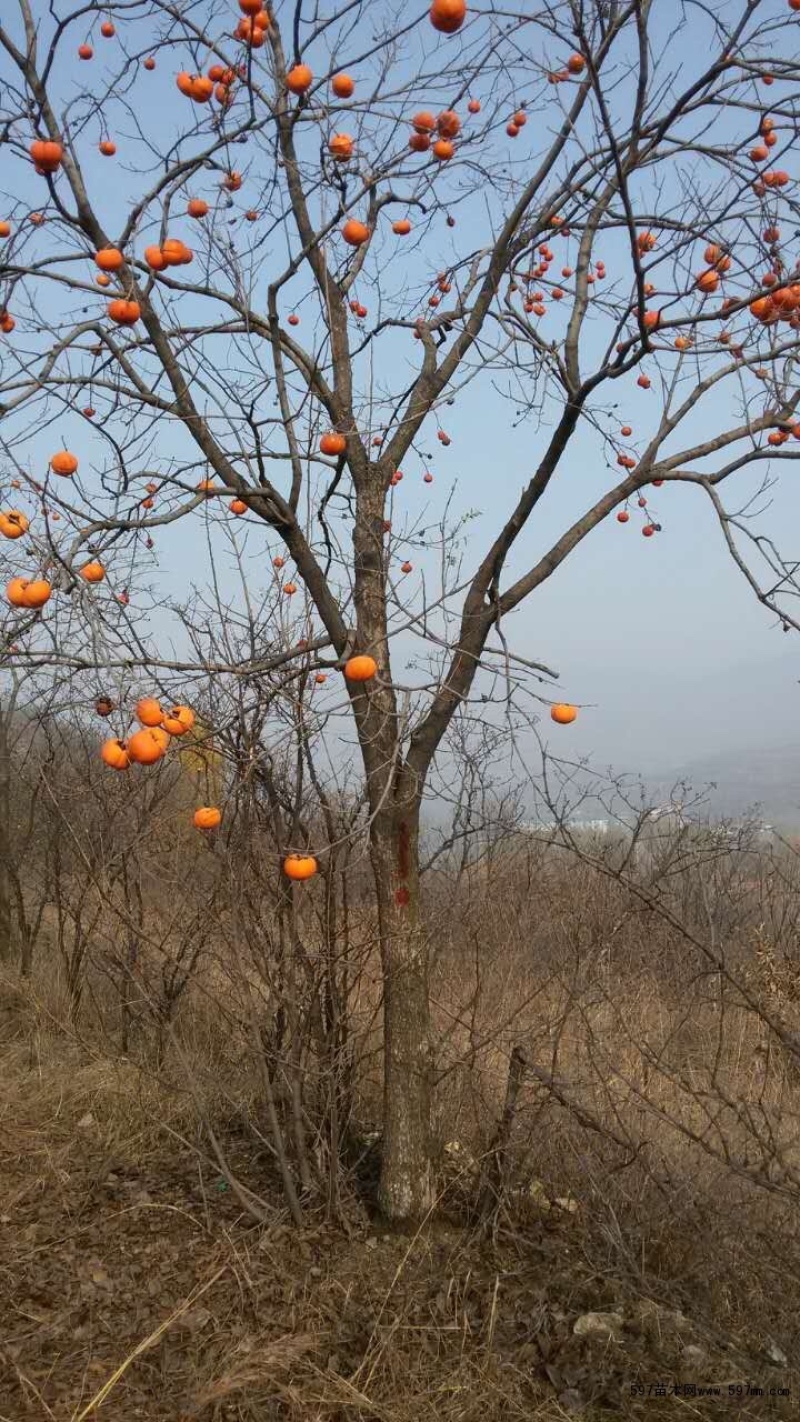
(402, 898)
(403, 850)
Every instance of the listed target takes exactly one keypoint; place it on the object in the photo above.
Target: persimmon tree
(251, 259)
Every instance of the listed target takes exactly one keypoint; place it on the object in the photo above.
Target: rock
(599, 1325)
(680, 1322)
(538, 1194)
(694, 1355)
(193, 1320)
(776, 1355)
(654, 1320)
(645, 1317)
(86, 1122)
(571, 1401)
(567, 1204)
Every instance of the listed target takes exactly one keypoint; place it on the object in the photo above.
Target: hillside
(766, 777)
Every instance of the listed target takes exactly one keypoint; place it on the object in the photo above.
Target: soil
(135, 1287)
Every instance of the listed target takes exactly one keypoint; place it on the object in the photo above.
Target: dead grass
(651, 1169)
(133, 1288)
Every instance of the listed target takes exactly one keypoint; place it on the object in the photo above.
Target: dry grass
(652, 1168)
(134, 1288)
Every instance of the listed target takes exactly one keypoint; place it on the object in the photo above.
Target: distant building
(658, 826)
(549, 827)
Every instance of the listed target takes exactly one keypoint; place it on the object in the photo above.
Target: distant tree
(316, 228)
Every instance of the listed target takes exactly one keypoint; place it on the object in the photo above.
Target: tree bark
(406, 1186)
(493, 1173)
(5, 841)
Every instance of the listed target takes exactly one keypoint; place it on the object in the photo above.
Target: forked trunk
(405, 1192)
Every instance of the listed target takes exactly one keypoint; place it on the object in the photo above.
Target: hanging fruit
(447, 16)
(300, 867)
(563, 714)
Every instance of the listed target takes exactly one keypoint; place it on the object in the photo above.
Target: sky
(660, 641)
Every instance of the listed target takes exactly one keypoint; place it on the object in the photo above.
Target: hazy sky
(659, 639)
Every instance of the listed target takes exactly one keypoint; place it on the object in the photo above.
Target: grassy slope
(122, 1258)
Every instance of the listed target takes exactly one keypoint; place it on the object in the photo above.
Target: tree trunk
(406, 1187)
(5, 842)
(493, 1171)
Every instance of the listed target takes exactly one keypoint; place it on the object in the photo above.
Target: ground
(134, 1287)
